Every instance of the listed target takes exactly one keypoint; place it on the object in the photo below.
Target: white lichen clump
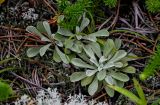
(23, 100)
(52, 97)
(30, 15)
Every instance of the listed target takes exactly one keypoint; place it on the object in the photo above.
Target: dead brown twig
(53, 10)
(116, 17)
(12, 28)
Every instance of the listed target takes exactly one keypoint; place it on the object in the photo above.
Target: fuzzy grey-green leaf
(109, 80)
(32, 29)
(93, 87)
(109, 91)
(100, 33)
(40, 27)
(56, 57)
(90, 38)
(89, 51)
(129, 69)
(102, 59)
(79, 63)
(119, 83)
(101, 75)
(77, 76)
(120, 76)
(108, 65)
(118, 43)
(63, 57)
(64, 31)
(33, 51)
(69, 43)
(131, 57)
(96, 49)
(118, 56)
(90, 72)
(108, 46)
(86, 81)
(43, 49)
(118, 64)
(47, 27)
(77, 47)
(84, 23)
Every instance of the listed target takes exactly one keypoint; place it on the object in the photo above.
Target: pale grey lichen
(23, 100)
(52, 97)
(30, 14)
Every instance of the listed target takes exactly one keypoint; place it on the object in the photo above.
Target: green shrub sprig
(153, 5)
(152, 66)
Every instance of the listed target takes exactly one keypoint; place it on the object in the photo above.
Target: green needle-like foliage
(62, 4)
(153, 65)
(153, 5)
(72, 11)
(110, 3)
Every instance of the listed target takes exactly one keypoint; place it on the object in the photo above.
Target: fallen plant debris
(88, 50)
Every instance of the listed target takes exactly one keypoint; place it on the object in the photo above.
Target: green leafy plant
(62, 4)
(140, 99)
(152, 66)
(110, 3)
(103, 63)
(153, 5)
(63, 39)
(5, 91)
(156, 102)
(44, 32)
(72, 12)
(102, 66)
(75, 41)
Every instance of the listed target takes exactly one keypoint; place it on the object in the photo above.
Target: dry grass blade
(34, 79)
